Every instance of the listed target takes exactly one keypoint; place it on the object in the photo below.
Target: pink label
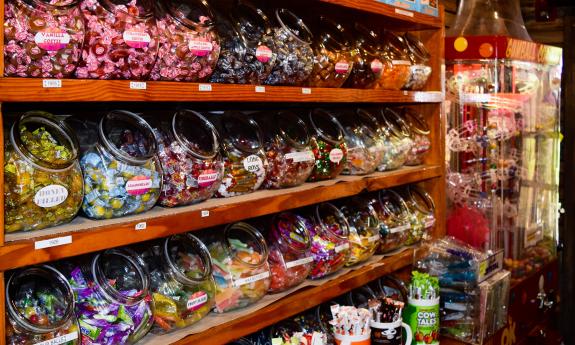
(207, 178)
(336, 155)
(264, 54)
(376, 66)
(138, 185)
(200, 48)
(136, 39)
(52, 39)
(197, 300)
(341, 67)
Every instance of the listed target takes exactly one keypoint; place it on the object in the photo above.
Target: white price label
(303, 156)
(50, 196)
(253, 164)
(205, 87)
(342, 247)
(252, 279)
(141, 226)
(51, 83)
(61, 339)
(306, 91)
(400, 228)
(372, 239)
(299, 262)
(205, 213)
(335, 155)
(404, 12)
(138, 85)
(53, 242)
(405, 93)
(260, 89)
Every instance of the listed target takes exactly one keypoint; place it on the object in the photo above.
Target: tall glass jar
(422, 208)
(42, 177)
(419, 131)
(363, 230)
(122, 174)
(398, 140)
(294, 53)
(113, 303)
(363, 154)
(240, 267)
(398, 69)
(288, 150)
(290, 258)
(189, 153)
(40, 308)
(367, 57)
(394, 217)
(42, 38)
(328, 145)
(189, 45)
(420, 67)
(121, 39)
(181, 281)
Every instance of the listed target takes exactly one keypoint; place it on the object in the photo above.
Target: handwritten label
(335, 156)
(205, 213)
(253, 163)
(136, 39)
(138, 185)
(252, 279)
(299, 262)
(51, 83)
(260, 89)
(141, 226)
(341, 247)
(306, 91)
(341, 67)
(205, 87)
(400, 228)
(51, 196)
(197, 300)
(52, 39)
(138, 85)
(207, 178)
(61, 339)
(404, 12)
(200, 48)
(302, 156)
(53, 242)
(264, 54)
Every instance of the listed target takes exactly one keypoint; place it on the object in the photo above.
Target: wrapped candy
(364, 151)
(420, 69)
(394, 217)
(419, 131)
(327, 144)
(397, 70)
(397, 140)
(363, 230)
(367, 59)
(422, 209)
(42, 177)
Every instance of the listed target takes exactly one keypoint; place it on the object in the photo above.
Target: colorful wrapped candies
(419, 131)
(40, 308)
(189, 152)
(363, 230)
(240, 267)
(42, 177)
(422, 209)
(397, 140)
(121, 173)
(394, 217)
(363, 146)
(42, 38)
(397, 70)
(327, 144)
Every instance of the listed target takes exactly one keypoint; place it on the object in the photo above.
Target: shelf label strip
(53, 242)
(51, 83)
(404, 12)
(138, 85)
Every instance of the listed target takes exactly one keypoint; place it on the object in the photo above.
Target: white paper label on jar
(372, 239)
(301, 156)
(341, 247)
(252, 279)
(400, 228)
(400, 62)
(429, 223)
(376, 66)
(335, 156)
(50, 196)
(61, 339)
(341, 67)
(52, 39)
(253, 163)
(264, 54)
(138, 185)
(197, 300)
(299, 262)
(200, 48)
(207, 178)
(137, 39)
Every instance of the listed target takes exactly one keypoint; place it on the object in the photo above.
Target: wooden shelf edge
(90, 236)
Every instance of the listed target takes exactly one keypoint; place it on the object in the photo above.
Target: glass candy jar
(189, 153)
(290, 259)
(420, 69)
(398, 142)
(363, 230)
(360, 297)
(42, 38)
(122, 174)
(188, 42)
(422, 209)
(394, 217)
(397, 70)
(230, 67)
(367, 60)
(240, 267)
(40, 308)
(363, 151)
(327, 144)
(294, 53)
(420, 132)
(42, 177)
(121, 39)
(378, 135)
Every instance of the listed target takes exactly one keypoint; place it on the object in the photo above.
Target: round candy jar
(397, 140)
(181, 281)
(327, 144)
(378, 135)
(363, 146)
(419, 134)
(422, 208)
(397, 71)
(113, 303)
(189, 153)
(122, 174)
(420, 69)
(40, 308)
(363, 230)
(188, 42)
(360, 297)
(367, 58)
(288, 150)
(121, 39)
(42, 177)
(395, 220)
(294, 53)
(42, 38)
(240, 267)
(290, 258)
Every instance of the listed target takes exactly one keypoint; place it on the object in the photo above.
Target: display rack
(86, 236)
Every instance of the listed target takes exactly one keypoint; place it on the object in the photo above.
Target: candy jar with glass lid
(122, 174)
(328, 145)
(422, 208)
(40, 308)
(43, 183)
(362, 146)
(181, 281)
(240, 266)
(189, 152)
(420, 132)
(419, 56)
(397, 70)
(290, 258)
(42, 38)
(288, 149)
(294, 53)
(367, 58)
(188, 42)
(394, 217)
(363, 229)
(121, 39)
(245, 162)
(397, 140)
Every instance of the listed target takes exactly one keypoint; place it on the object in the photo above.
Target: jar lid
(393, 204)
(39, 299)
(395, 123)
(243, 131)
(417, 48)
(246, 243)
(292, 230)
(188, 257)
(331, 34)
(415, 122)
(292, 129)
(332, 220)
(294, 25)
(196, 134)
(421, 199)
(134, 8)
(191, 13)
(326, 126)
(251, 21)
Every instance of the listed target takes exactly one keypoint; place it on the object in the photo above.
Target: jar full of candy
(294, 53)
(42, 38)
(327, 144)
(398, 141)
(363, 150)
(43, 183)
(121, 39)
(419, 131)
(189, 153)
(181, 281)
(368, 119)
(240, 267)
(420, 69)
(363, 229)
(189, 45)
(367, 57)
(290, 258)
(422, 208)
(394, 217)
(122, 174)
(397, 71)
(40, 308)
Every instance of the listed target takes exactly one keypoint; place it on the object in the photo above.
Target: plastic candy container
(188, 150)
(181, 281)
(333, 60)
(188, 43)
(367, 60)
(294, 53)
(288, 150)
(394, 217)
(422, 208)
(42, 178)
(121, 39)
(327, 144)
(290, 258)
(121, 174)
(113, 304)
(240, 267)
(330, 245)
(363, 230)
(419, 134)
(363, 152)
(42, 38)
(398, 68)
(398, 142)
(40, 308)
(420, 69)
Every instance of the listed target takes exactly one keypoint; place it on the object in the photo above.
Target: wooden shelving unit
(87, 236)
